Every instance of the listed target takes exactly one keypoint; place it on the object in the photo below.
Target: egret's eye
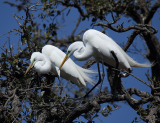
(68, 52)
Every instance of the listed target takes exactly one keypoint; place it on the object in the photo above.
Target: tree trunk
(154, 54)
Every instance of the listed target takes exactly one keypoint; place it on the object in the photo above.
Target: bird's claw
(123, 75)
(126, 74)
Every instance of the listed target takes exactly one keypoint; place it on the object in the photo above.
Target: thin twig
(41, 88)
(14, 92)
(17, 19)
(133, 76)
(11, 31)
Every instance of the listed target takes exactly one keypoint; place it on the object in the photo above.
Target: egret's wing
(120, 56)
(104, 48)
(58, 71)
(68, 70)
(56, 56)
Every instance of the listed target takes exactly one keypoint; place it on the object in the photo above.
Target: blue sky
(125, 113)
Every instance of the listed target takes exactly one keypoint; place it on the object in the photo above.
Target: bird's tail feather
(86, 74)
(133, 63)
(145, 65)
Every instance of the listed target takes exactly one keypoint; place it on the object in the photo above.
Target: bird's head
(36, 56)
(76, 46)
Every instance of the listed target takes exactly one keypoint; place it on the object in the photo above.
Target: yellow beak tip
(30, 66)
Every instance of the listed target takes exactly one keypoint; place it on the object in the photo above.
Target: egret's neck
(43, 66)
(86, 54)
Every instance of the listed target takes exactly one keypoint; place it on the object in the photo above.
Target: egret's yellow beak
(30, 66)
(63, 61)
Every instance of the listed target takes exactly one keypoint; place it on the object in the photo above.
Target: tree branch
(139, 93)
(120, 28)
(131, 39)
(152, 12)
(76, 5)
(41, 118)
(103, 98)
(75, 28)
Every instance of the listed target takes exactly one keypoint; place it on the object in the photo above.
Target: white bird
(50, 60)
(100, 46)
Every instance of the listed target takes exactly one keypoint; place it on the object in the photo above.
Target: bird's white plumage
(50, 60)
(100, 46)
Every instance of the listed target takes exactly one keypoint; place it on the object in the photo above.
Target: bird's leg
(103, 74)
(60, 83)
(99, 81)
(126, 74)
(117, 82)
(117, 64)
(115, 57)
(116, 73)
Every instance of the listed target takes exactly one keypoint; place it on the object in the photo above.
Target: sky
(125, 113)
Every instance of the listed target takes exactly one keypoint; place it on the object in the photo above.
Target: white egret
(101, 47)
(50, 60)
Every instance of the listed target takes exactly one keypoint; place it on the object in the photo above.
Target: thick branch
(88, 106)
(130, 39)
(138, 93)
(120, 28)
(21, 55)
(103, 98)
(78, 6)
(75, 28)
(152, 12)
(151, 117)
(42, 116)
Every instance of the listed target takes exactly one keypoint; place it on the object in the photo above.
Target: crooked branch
(120, 28)
(103, 98)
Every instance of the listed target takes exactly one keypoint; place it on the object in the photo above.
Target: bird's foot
(130, 70)
(123, 75)
(126, 74)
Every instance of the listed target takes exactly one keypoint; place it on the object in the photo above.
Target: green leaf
(50, 1)
(5, 65)
(23, 39)
(109, 107)
(3, 55)
(15, 61)
(29, 28)
(44, 26)
(104, 108)
(6, 71)
(16, 55)
(18, 85)
(135, 118)
(105, 114)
